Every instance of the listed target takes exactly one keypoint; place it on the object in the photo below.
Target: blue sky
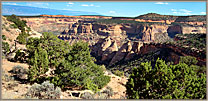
(129, 9)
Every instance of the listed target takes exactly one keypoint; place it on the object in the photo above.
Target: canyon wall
(108, 53)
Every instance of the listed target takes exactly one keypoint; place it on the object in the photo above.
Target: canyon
(111, 43)
(117, 46)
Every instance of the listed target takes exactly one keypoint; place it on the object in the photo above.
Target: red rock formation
(85, 28)
(122, 52)
(107, 42)
(146, 48)
(173, 30)
(55, 16)
(110, 52)
(148, 34)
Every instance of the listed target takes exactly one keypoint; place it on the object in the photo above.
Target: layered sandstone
(110, 52)
(122, 52)
(193, 30)
(96, 17)
(148, 34)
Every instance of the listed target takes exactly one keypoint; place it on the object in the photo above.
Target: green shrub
(5, 47)
(44, 91)
(20, 56)
(189, 60)
(21, 24)
(118, 73)
(10, 40)
(178, 81)
(101, 80)
(22, 38)
(3, 37)
(73, 65)
(13, 26)
(79, 69)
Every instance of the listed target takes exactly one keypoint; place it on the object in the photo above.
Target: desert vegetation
(20, 24)
(72, 66)
(157, 69)
(165, 81)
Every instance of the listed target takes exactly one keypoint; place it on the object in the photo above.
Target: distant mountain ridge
(35, 11)
(155, 16)
(31, 11)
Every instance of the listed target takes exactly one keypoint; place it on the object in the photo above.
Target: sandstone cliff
(122, 52)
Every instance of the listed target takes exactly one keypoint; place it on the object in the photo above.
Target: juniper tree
(73, 65)
(164, 81)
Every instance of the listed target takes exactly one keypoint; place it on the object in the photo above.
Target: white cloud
(185, 10)
(173, 10)
(89, 5)
(112, 12)
(38, 4)
(161, 3)
(84, 5)
(181, 11)
(202, 12)
(70, 3)
(67, 9)
(9, 3)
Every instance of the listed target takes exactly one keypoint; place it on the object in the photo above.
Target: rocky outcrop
(54, 25)
(107, 42)
(159, 28)
(177, 29)
(144, 32)
(136, 46)
(131, 28)
(160, 21)
(105, 48)
(193, 30)
(122, 52)
(195, 23)
(173, 30)
(147, 34)
(174, 52)
(134, 51)
(110, 52)
(85, 28)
